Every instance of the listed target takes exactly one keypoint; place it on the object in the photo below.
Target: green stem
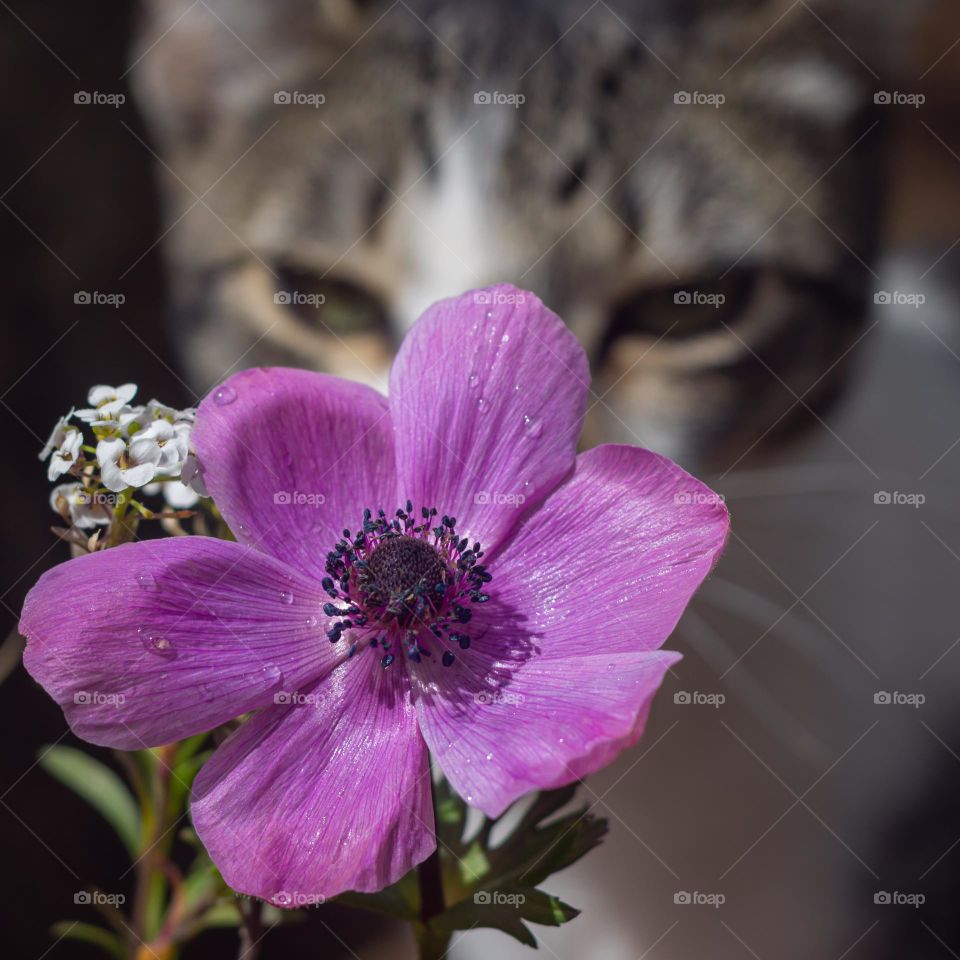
(431, 887)
(251, 929)
(118, 529)
(433, 945)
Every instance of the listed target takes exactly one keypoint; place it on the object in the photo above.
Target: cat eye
(330, 305)
(683, 310)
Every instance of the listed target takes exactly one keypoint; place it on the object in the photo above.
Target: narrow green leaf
(221, 915)
(99, 786)
(89, 933)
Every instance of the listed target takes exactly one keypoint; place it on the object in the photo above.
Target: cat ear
(193, 65)
(190, 61)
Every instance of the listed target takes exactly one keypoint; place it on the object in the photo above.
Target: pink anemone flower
(433, 572)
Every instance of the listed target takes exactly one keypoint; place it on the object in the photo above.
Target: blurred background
(746, 210)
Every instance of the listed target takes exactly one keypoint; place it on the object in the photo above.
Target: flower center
(407, 586)
(400, 571)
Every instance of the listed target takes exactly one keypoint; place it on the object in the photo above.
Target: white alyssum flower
(133, 419)
(160, 411)
(55, 436)
(83, 508)
(179, 496)
(106, 402)
(132, 464)
(64, 445)
(174, 444)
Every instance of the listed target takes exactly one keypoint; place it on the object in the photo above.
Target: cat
(694, 187)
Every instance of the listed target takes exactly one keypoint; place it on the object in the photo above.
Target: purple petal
(557, 720)
(292, 457)
(563, 664)
(487, 394)
(148, 643)
(326, 794)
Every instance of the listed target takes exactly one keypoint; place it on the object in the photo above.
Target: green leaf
(506, 910)
(202, 883)
(99, 786)
(89, 933)
(529, 857)
(223, 914)
(495, 886)
(474, 865)
(401, 901)
(189, 747)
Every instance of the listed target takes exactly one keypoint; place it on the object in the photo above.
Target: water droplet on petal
(224, 395)
(482, 404)
(489, 756)
(156, 643)
(272, 674)
(146, 581)
(474, 380)
(286, 597)
(207, 692)
(312, 621)
(505, 338)
(532, 427)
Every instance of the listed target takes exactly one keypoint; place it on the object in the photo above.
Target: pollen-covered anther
(404, 586)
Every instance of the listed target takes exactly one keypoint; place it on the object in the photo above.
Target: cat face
(697, 204)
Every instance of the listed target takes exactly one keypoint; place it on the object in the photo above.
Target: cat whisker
(713, 649)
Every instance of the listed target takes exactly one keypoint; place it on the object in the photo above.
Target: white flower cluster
(144, 446)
